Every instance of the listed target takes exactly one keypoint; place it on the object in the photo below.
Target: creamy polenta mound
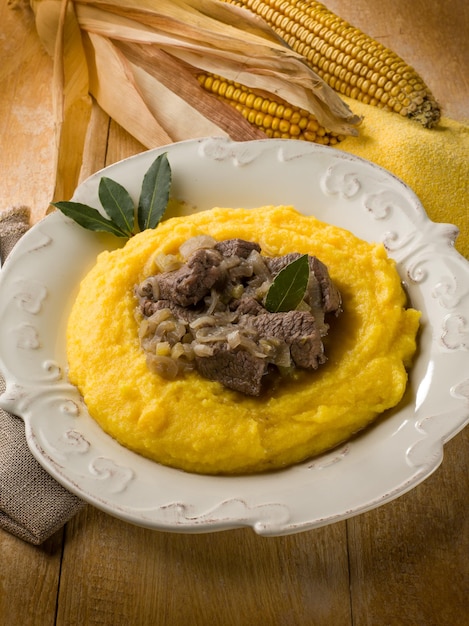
(198, 425)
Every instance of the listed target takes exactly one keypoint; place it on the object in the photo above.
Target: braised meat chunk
(193, 281)
(297, 329)
(236, 369)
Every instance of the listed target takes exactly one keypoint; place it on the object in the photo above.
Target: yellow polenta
(198, 425)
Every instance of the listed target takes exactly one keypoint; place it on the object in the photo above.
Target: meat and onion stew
(205, 310)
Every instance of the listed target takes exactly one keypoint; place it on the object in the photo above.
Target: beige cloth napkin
(33, 506)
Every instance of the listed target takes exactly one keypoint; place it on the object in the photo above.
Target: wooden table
(405, 563)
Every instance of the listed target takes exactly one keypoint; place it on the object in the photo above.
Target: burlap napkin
(33, 506)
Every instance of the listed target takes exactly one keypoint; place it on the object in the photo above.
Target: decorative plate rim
(385, 461)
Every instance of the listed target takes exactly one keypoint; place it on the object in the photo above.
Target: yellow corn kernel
(275, 119)
(340, 54)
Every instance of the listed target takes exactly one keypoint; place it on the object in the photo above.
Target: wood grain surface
(403, 564)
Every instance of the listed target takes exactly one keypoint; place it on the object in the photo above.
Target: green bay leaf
(289, 286)
(89, 218)
(118, 204)
(154, 195)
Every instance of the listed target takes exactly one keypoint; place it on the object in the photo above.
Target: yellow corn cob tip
(348, 60)
(275, 118)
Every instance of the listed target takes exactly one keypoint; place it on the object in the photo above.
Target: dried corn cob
(351, 62)
(275, 119)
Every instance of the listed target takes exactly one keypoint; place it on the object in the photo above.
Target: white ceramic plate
(40, 278)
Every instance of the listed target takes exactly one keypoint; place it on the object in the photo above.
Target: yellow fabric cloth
(433, 163)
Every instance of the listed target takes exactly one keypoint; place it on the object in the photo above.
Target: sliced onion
(165, 366)
(166, 262)
(207, 335)
(261, 291)
(283, 356)
(243, 270)
(167, 326)
(160, 315)
(225, 318)
(188, 351)
(202, 350)
(214, 299)
(177, 351)
(143, 329)
(203, 320)
(234, 339)
(162, 348)
(259, 266)
(229, 262)
(196, 243)
(238, 339)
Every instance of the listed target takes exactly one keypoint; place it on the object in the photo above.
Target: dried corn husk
(139, 59)
(60, 32)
